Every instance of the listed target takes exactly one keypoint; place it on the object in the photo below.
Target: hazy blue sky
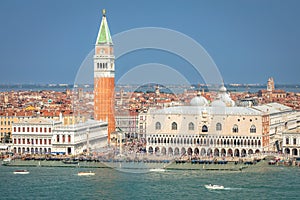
(46, 41)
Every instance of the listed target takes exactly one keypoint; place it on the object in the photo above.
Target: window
(218, 127)
(49, 130)
(41, 141)
(23, 129)
(15, 141)
(57, 138)
(235, 129)
(28, 129)
(63, 138)
(28, 141)
(41, 130)
(253, 129)
(69, 138)
(191, 126)
(32, 129)
(45, 130)
(174, 126)
(15, 130)
(294, 141)
(157, 126)
(19, 129)
(36, 141)
(49, 141)
(204, 128)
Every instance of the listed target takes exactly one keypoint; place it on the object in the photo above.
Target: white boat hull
(214, 187)
(86, 174)
(157, 170)
(21, 172)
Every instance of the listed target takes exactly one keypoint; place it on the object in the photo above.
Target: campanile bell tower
(104, 77)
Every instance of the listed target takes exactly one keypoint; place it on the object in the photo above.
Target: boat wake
(228, 188)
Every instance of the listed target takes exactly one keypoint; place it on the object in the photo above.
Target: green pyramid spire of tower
(104, 36)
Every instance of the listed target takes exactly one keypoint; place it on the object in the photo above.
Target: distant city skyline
(250, 41)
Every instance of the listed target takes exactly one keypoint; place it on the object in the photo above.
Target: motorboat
(214, 187)
(157, 170)
(22, 171)
(86, 173)
(6, 161)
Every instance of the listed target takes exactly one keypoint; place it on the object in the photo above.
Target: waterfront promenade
(138, 161)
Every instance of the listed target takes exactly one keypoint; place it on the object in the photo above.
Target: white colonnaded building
(43, 136)
(291, 142)
(33, 135)
(77, 138)
(217, 129)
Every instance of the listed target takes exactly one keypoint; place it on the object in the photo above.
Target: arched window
(235, 129)
(204, 128)
(287, 140)
(157, 126)
(252, 129)
(218, 127)
(191, 126)
(174, 126)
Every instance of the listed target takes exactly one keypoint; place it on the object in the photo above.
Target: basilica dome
(199, 101)
(222, 89)
(218, 103)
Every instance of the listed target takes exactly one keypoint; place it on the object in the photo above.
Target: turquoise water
(269, 182)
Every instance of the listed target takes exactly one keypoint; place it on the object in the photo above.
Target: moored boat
(6, 161)
(70, 162)
(272, 162)
(214, 187)
(157, 170)
(86, 173)
(22, 171)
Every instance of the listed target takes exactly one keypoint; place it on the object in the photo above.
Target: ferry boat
(22, 171)
(214, 187)
(86, 173)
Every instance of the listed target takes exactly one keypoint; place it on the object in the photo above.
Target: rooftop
(197, 110)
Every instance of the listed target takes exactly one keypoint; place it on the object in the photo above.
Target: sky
(249, 41)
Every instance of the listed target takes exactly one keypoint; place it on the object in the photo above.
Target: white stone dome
(223, 89)
(199, 101)
(227, 100)
(218, 103)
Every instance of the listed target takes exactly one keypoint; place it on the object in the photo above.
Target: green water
(269, 182)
